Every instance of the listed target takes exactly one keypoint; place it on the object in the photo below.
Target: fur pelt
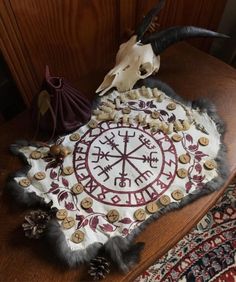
(122, 251)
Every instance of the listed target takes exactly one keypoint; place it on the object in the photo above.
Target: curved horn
(143, 26)
(162, 40)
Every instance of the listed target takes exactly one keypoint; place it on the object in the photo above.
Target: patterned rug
(208, 253)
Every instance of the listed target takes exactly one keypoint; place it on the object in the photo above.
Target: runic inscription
(124, 165)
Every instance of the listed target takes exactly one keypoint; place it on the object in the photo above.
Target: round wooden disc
(87, 203)
(182, 172)
(40, 175)
(177, 137)
(68, 222)
(36, 155)
(78, 188)
(204, 141)
(140, 214)
(113, 216)
(184, 158)
(61, 214)
(126, 110)
(68, 170)
(25, 182)
(155, 114)
(171, 106)
(210, 164)
(93, 123)
(75, 137)
(177, 194)
(77, 237)
(152, 207)
(165, 200)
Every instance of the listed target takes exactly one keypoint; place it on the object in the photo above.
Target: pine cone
(35, 224)
(99, 268)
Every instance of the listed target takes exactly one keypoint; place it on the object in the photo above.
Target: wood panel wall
(80, 37)
(202, 13)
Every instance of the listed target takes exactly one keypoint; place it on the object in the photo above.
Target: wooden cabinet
(80, 37)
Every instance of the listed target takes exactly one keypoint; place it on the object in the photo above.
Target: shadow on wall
(226, 49)
(11, 102)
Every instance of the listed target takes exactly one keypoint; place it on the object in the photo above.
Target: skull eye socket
(142, 70)
(145, 69)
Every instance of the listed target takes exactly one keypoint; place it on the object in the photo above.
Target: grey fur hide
(120, 250)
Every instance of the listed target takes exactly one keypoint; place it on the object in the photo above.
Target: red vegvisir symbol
(124, 165)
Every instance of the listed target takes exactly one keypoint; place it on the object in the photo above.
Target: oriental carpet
(207, 253)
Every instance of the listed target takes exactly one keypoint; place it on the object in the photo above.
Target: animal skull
(139, 57)
(134, 61)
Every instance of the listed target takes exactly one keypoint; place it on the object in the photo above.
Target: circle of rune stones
(91, 147)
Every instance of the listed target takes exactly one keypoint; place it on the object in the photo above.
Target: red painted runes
(124, 165)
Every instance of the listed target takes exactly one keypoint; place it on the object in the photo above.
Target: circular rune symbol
(124, 165)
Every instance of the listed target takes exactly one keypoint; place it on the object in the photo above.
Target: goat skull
(139, 57)
(134, 61)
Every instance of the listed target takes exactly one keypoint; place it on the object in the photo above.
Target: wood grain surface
(14, 52)
(72, 37)
(206, 14)
(192, 74)
(77, 38)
